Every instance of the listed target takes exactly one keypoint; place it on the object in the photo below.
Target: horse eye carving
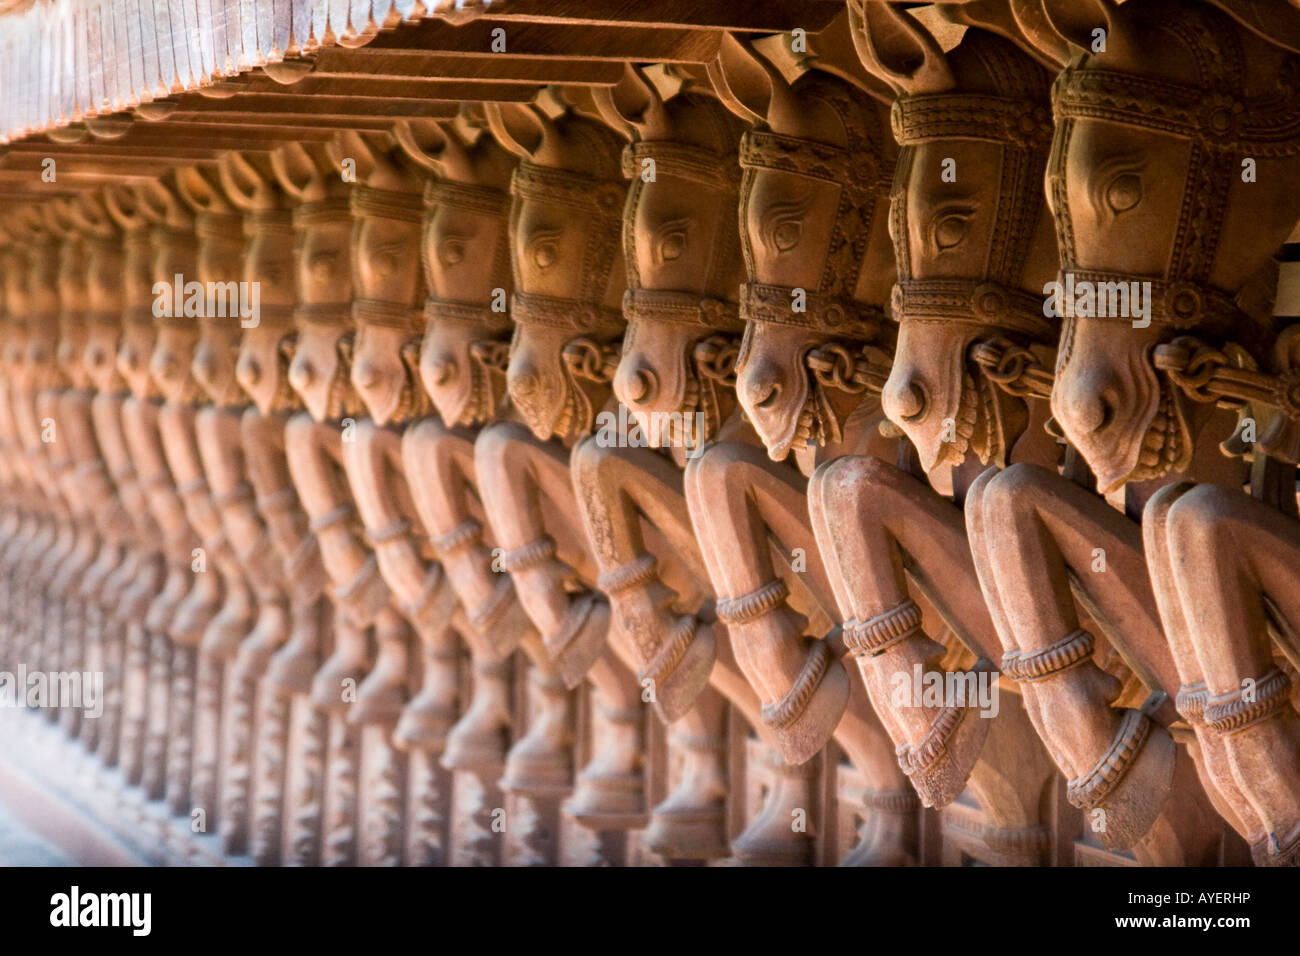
(949, 225)
(451, 251)
(321, 264)
(670, 241)
(544, 247)
(1124, 192)
(783, 225)
(1117, 185)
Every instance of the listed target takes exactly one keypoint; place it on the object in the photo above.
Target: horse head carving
(266, 346)
(320, 371)
(566, 219)
(683, 254)
(973, 237)
(1170, 160)
(387, 284)
(813, 208)
(105, 267)
(466, 253)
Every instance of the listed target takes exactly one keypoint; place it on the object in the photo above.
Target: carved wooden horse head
(972, 234)
(105, 267)
(39, 298)
(466, 251)
(1173, 163)
(73, 290)
(137, 216)
(813, 211)
(565, 224)
(219, 229)
(683, 254)
(387, 284)
(321, 369)
(267, 341)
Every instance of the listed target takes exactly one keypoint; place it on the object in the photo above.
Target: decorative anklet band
(918, 759)
(670, 655)
(875, 636)
(753, 605)
(1049, 661)
(391, 533)
(891, 801)
(1190, 703)
(1232, 712)
(330, 518)
(487, 613)
(1092, 789)
(529, 555)
(455, 539)
(783, 713)
(637, 571)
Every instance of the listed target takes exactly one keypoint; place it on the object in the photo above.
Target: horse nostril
(249, 369)
(641, 386)
(301, 374)
(908, 401)
(763, 394)
(442, 370)
(365, 375)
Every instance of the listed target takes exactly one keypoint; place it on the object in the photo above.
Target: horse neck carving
(1146, 184)
(974, 243)
(683, 256)
(565, 223)
(813, 210)
(105, 266)
(175, 252)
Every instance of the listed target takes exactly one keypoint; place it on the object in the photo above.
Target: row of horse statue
(375, 573)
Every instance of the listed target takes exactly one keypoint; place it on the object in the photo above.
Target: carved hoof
(330, 683)
(291, 668)
(255, 654)
(424, 724)
(534, 768)
(222, 636)
(801, 738)
(608, 801)
(676, 692)
(941, 763)
(688, 833)
(581, 639)
(476, 749)
(1137, 799)
(377, 703)
(1280, 852)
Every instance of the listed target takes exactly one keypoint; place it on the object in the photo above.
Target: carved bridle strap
(993, 301)
(860, 175)
(704, 168)
(600, 204)
(480, 200)
(1220, 126)
(368, 202)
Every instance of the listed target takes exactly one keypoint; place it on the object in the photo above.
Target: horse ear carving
(1078, 21)
(372, 153)
(303, 170)
(123, 205)
(634, 106)
(423, 142)
(201, 189)
(249, 182)
(1023, 22)
(519, 127)
(746, 81)
(895, 47)
(833, 50)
